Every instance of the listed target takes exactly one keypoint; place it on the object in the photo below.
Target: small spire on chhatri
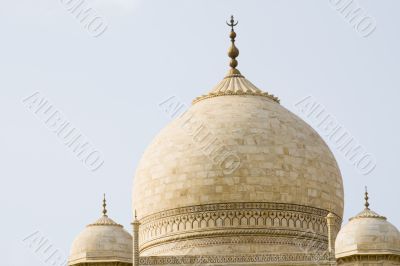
(104, 205)
(366, 199)
(367, 212)
(105, 220)
(233, 51)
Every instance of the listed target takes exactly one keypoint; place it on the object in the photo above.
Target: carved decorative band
(321, 259)
(236, 206)
(212, 220)
(306, 243)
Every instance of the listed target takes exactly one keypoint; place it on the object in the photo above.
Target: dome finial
(366, 199)
(104, 205)
(233, 51)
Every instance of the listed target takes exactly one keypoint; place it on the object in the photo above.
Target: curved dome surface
(103, 241)
(367, 234)
(236, 158)
(282, 159)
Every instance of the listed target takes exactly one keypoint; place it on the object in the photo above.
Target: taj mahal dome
(238, 179)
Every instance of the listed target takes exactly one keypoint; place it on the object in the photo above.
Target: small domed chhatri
(103, 242)
(368, 238)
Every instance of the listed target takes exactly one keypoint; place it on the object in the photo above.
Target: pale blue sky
(109, 88)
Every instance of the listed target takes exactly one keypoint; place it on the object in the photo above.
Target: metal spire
(366, 199)
(233, 51)
(104, 205)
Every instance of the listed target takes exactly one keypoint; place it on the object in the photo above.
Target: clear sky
(109, 88)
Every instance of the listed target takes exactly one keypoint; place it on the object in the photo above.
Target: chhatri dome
(368, 237)
(240, 178)
(102, 243)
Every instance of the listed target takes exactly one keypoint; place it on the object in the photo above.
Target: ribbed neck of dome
(367, 213)
(235, 84)
(105, 220)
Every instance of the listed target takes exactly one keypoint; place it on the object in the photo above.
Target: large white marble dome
(237, 179)
(236, 154)
(237, 174)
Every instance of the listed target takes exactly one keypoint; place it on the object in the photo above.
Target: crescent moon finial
(232, 23)
(233, 51)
